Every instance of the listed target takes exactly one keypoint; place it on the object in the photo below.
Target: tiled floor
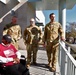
(40, 68)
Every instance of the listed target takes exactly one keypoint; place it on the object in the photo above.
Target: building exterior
(26, 9)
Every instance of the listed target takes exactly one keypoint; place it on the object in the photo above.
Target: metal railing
(66, 62)
(14, 8)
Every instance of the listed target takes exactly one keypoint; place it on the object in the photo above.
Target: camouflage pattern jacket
(32, 34)
(14, 30)
(52, 32)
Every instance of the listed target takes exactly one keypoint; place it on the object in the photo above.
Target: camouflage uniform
(14, 30)
(51, 38)
(32, 35)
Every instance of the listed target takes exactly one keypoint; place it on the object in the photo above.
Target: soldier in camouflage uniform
(52, 32)
(32, 35)
(14, 30)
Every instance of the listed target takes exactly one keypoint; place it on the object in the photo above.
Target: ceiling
(50, 4)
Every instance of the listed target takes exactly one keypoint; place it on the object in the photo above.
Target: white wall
(40, 16)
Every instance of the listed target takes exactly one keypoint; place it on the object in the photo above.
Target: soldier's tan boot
(49, 65)
(28, 66)
(53, 69)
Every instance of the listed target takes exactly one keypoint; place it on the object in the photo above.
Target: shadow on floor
(41, 66)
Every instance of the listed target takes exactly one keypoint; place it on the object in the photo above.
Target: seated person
(9, 57)
(23, 67)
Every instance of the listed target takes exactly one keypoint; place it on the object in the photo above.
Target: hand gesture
(16, 60)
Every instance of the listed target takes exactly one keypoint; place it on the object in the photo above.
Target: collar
(5, 45)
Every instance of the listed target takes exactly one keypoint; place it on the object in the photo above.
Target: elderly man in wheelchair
(11, 61)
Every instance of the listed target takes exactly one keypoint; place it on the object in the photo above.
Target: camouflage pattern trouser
(31, 53)
(52, 53)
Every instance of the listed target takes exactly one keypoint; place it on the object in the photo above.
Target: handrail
(71, 46)
(14, 8)
(69, 55)
(66, 61)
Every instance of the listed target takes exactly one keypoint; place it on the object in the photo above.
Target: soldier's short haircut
(51, 14)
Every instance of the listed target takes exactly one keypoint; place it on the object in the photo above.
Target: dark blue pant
(11, 70)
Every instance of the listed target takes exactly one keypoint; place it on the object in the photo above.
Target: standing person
(51, 40)
(14, 30)
(9, 56)
(32, 35)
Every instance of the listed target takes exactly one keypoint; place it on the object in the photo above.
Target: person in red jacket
(9, 56)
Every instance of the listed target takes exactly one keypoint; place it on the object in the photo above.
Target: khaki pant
(31, 52)
(52, 53)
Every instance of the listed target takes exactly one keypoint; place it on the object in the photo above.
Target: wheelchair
(22, 67)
